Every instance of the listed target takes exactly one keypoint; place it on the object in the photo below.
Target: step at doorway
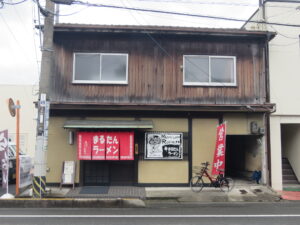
(289, 179)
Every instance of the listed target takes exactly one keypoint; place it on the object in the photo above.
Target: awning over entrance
(120, 124)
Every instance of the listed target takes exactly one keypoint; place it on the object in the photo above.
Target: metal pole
(17, 147)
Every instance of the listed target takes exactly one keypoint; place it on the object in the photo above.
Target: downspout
(268, 98)
(267, 115)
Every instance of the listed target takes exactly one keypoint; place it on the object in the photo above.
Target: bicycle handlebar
(205, 164)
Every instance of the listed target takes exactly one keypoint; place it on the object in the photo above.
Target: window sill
(100, 83)
(210, 85)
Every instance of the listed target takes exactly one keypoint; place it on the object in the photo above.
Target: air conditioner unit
(261, 130)
(254, 127)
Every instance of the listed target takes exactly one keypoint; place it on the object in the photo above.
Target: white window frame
(232, 84)
(99, 81)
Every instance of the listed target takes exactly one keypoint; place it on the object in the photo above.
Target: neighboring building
(27, 95)
(156, 83)
(284, 58)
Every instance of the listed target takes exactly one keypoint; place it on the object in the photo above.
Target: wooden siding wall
(155, 75)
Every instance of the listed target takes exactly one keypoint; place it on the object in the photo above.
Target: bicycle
(224, 183)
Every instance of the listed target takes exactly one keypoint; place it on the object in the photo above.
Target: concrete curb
(72, 203)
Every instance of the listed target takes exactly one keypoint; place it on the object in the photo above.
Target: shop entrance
(243, 155)
(98, 173)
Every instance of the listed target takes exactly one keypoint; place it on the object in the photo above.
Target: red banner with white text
(105, 145)
(84, 146)
(219, 156)
(112, 146)
(98, 146)
(126, 145)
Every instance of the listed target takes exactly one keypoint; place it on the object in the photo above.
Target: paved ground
(113, 192)
(128, 196)
(267, 213)
(11, 190)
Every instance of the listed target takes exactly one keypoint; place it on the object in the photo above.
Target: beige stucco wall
(149, 171)
(26, 95)
(204, 141)
(59, 150)
(155, 171)
(254, 154)
(239, 124)
(163, 172)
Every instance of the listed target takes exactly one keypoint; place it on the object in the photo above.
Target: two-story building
(140, 105)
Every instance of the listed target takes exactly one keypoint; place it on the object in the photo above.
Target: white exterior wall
(284, 66)
(284, 78)
(25, 94)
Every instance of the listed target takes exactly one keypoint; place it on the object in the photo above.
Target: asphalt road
(283, 213)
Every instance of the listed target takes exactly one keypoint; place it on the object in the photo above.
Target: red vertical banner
(126, 145)
(98, 146)
(219, 156)
(84, 146)
(112, 146)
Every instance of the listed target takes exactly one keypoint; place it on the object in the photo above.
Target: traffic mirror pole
(18, 106)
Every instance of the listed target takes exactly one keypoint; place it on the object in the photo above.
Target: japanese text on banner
(219, 156)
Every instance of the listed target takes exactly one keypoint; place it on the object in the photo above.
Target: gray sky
(20, 42)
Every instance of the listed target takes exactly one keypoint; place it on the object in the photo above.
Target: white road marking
(152, 216)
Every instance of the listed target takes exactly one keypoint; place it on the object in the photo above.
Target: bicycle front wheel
(226, 184)
(196, 184)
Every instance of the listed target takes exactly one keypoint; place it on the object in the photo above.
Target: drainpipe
(267, 115)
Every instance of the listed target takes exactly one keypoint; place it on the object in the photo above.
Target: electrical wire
(16, 40)
(14, 3)
(23, 25)
(180, 14)
(170, 56)
(283, 35)
(200, 2)
(33, 13)
(288, 44)
(280, 14)
(45, 12)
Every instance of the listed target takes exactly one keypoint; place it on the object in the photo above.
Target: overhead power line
(14, 3)
(180, 13)
(201, 2)
(88, 4)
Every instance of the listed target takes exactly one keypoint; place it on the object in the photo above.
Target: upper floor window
(209, 70)
(102, 68)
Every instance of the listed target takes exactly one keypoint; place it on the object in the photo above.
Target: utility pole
(47, 49)
(40, 161)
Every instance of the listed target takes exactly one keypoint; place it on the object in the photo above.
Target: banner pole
(7, 179)
(17, 147)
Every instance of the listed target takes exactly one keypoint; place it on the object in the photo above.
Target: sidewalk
(253, 193)
(127, 196)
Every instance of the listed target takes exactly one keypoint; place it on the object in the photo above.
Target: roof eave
(83, 28)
